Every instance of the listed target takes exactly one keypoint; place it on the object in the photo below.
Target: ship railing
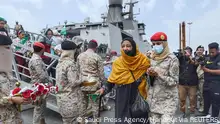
(25, 79)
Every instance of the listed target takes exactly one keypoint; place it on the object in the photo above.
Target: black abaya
(125, 96)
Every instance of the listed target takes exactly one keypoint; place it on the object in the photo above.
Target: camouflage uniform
(38, 74)
(9, 114)
(69, 96)
(163, 95)
(91, 64)
(200, 73)
(113, 58)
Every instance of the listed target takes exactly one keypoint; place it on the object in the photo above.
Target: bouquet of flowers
(37, 92)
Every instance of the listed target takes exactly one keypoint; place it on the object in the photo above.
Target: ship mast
(131, 10)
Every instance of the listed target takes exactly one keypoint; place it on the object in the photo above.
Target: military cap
(159, 36)
(68, 45)
(94, 41)
(39, 44)
(2, 19)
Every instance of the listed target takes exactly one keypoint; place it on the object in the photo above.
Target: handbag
(140, 106)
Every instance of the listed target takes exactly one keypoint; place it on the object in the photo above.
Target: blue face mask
(158, 49)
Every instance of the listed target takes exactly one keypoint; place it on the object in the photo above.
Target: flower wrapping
(36, 92)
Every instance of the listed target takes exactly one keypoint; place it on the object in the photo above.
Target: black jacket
(187, 74)
(213, 64)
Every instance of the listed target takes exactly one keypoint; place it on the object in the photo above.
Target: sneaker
(107, 107)
(201, 110)
(201, 114)
(208, 116)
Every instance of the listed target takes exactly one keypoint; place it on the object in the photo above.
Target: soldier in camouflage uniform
(199, 52)
(9, 114)
(38, 74)
(91, 65)
(69, 96)
(163, 93)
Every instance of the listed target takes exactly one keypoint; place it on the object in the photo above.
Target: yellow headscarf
(163, 55)
(121, 74)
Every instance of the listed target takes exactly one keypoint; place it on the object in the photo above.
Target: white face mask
(6, 57)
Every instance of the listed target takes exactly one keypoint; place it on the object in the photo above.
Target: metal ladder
(51, 100)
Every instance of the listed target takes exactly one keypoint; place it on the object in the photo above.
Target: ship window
(94, 27)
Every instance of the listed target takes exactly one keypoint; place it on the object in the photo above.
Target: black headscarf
(4, 37)
(133, 44)
(48, 31)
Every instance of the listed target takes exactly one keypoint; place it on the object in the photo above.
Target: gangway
(51, 100)
(24, 79)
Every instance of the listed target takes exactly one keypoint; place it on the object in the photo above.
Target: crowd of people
(148, 86)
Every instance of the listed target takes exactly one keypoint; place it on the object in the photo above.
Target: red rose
(16, 91)
(27, 94)
(56, 88)
(33, 96)
(41, 88)
(46, 90)
(38, 93)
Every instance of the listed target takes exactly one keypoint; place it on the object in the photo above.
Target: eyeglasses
(156, 44)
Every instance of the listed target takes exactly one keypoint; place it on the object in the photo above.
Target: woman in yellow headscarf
(130, 62)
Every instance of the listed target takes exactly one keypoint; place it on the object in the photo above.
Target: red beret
(113, 52)
(94, 41)
(159, 36)
(39, 44)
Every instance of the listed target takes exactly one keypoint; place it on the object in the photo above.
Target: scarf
(67, 54)
(163, 55)
(122, 66)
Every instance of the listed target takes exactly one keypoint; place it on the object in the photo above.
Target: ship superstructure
(116, 25)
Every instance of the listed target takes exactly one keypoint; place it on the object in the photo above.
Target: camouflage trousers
(72, 112)
(38, 116)
(92, 106)
(14, 120)
(17, 121)
(156, 118)
(200, 95)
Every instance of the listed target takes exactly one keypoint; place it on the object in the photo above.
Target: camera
(179, 53)
(202, 59)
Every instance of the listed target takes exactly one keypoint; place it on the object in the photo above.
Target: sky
(158, 15)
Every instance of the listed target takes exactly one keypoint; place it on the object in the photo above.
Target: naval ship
(116, 25)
